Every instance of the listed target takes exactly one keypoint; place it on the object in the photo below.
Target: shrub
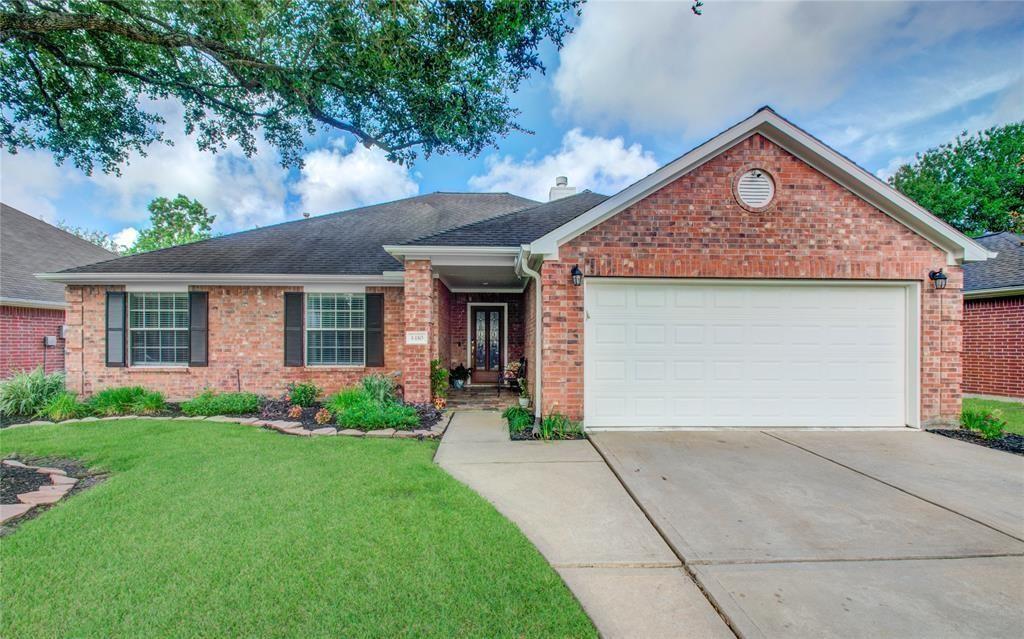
(558, 426)
(438, 379)
(63, 405)
(209, 403)
(357, 408)
(518, 418)
(989, 425)
(380, 388)
(295, 411)
(26, 394)
(303, 393)
(323, 416)
(126, 400)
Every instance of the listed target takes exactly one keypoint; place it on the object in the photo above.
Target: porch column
(419, 328)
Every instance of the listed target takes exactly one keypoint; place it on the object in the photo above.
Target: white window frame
(131, 329)
(306, 330)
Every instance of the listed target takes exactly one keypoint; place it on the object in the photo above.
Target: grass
(1011, 412)
(206, 530)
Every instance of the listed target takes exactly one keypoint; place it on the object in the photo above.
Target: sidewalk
(574, 510)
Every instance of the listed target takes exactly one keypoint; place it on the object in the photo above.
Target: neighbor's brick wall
(246, 346)
(458, 319)
(419, 316)
(693, 227)
(993, 356)
(21, 339)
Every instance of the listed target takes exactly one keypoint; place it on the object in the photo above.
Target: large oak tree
(408, 76)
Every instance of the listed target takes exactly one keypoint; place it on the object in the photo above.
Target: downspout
(522, 268)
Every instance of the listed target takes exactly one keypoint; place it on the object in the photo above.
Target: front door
(487, 345)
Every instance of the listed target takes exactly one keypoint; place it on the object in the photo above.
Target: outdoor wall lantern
(938, 278)
(577, 275)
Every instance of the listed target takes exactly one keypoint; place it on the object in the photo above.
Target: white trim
(457, 255)
(334, 288)
(766, 122)
(485, 289)
(222, 279)
(24, 303)
(1005, 291)
(912, 381)
(469, 333)
(157, 287)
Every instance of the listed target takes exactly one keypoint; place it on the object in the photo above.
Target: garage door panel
(750, 355)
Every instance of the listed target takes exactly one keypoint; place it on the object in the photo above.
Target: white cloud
(657, 67)
(604, 165)
(31, 182)
(126, 237)
(333, 180)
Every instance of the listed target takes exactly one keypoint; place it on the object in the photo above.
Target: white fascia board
(958, 246)
(218, 279)
(457, 255)
(26, 303)
(1006, 291)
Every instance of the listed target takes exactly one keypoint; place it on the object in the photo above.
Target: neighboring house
(762, 279)
(32, 310)
(993, 355)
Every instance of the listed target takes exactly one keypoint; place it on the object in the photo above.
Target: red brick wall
(457, 323)
(246, 346)
(442, 316)
(530, 332)
(419, 316)
(993, 356)
(693, 227)
(21, 339)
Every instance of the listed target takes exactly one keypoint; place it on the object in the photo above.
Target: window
(335, 329)
(158, 329)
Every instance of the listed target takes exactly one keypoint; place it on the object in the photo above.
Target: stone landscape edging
(60, 485)
(285, 427)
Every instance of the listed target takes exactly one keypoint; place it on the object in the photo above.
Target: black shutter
(375, 329)
(116, 313)
(293, 325)
(198, 331)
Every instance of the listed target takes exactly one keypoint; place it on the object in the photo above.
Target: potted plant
(524, 392)
(459, 375)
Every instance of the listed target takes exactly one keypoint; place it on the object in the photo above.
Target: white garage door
(771, 354)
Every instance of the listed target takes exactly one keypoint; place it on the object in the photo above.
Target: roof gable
(1004, 272)
(802, 145)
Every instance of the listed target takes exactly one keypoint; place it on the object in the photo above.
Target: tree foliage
(173, 222)
(99, 238)
(976, 183)
(408, 76)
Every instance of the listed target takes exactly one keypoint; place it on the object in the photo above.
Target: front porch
(481, 398)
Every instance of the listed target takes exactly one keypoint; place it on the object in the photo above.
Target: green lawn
(218, 530)
(1011, 412)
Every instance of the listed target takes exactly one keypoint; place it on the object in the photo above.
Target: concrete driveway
(837, 534)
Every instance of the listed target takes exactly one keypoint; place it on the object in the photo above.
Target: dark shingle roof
(344, 243)
(1006, 270)
(518, 227)
(29, 246)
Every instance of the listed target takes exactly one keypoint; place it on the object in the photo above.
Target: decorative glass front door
(487, 343)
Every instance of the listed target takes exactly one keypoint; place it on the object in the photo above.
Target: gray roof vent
(561, 189)
(755, 188)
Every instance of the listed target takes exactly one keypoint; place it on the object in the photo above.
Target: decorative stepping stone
(301, 432)
(10, 511)
(325, 431)
(63, 480)
(405, 434)
(40, 496)
(42, 470)
(15, 463)
(352, 432)
(387, 432)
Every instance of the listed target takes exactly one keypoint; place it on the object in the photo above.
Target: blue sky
(636, 85)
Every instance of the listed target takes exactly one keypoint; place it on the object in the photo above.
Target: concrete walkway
(566, 500)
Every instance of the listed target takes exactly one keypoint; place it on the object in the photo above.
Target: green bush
(25, 394)
(988, 425)
(356, 408)
(380, 388)
(209, 403)
(303, 393)
(558, 426)
(63, 405)
(518, 418)
(126, 400)
(438, 379)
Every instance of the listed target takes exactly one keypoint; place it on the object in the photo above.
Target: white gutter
(522, 268)
(391, 278)
(24, 303)
(1006, 291)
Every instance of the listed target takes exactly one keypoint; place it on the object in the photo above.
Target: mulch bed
(1010, 442)
(277, 409)
(528, 436)
(10, 476)
(15, 481)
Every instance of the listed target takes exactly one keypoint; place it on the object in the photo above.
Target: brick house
(762, 279)
(32, 310)
(993, 351)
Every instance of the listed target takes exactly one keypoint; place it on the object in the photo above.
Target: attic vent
(755, 189)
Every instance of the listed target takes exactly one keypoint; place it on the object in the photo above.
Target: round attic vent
(755, 188)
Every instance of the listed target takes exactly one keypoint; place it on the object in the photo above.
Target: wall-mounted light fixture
(938, 279)
(577, 275)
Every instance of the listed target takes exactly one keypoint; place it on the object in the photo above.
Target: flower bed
(28, 485)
